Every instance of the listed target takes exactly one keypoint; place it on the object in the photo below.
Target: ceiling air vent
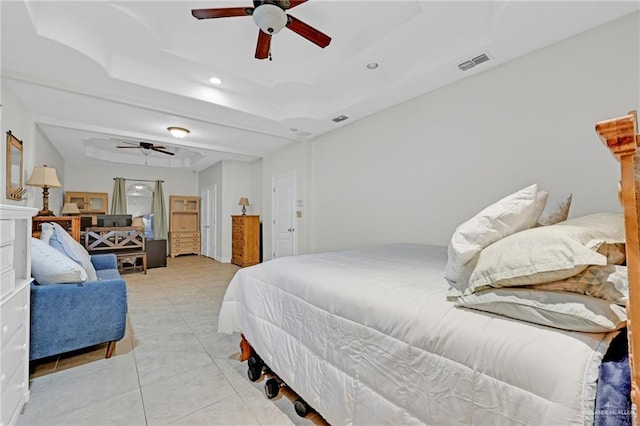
(340, 118)
(470, 63)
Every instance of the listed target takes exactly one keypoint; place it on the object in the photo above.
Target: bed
(376, 335)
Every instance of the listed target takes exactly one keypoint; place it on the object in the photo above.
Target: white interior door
(208, 221)
(283, 202)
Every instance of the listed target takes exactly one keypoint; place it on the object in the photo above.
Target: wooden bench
(126, 242)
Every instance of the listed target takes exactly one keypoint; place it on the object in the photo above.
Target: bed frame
(621, 136)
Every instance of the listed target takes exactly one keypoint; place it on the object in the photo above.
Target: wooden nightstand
(70, 223)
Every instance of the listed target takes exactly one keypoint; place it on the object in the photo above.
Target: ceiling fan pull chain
(270, 58)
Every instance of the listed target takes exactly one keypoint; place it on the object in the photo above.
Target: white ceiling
(97, 73)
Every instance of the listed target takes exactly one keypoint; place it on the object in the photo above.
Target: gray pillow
(556, 210)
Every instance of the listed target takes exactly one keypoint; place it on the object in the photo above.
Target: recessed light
(372, 65)
(178, 132)
(215, 80)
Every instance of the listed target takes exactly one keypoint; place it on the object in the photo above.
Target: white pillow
(547, 253)
(62, 241)
(568, 311)
(50, 266)
(511, 214)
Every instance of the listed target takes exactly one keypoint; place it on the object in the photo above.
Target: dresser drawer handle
(22, 347)
(25, 307)
(5, 329)
(22, 385)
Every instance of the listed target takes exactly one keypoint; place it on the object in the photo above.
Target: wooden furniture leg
(621, 136)
(110, 348)
(245, 349)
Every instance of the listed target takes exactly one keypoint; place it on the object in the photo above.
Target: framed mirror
(15, 183)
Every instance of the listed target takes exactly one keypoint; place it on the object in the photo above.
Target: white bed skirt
(366, 337)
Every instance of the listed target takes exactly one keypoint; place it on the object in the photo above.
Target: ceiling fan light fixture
(178, 132)
(270, 18)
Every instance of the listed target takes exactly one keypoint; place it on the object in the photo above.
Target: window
(140, 204)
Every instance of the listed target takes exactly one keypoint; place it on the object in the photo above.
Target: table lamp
(70, 209)
(44, 177)
(244, 202)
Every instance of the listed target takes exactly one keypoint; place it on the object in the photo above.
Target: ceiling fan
(147, 145)
(270, 17)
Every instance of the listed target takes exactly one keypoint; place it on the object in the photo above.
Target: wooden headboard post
(620, 135)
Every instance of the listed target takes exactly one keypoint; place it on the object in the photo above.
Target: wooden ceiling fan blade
(128, 147)
(263, 46)
(308, 32)
(294, 3)
(225, 12)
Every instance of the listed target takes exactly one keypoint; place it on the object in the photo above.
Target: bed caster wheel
(255, 361)
(255, 368)
(254, 373)
(271, 388)
(301, 407)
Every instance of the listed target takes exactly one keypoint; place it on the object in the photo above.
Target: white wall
(233, 180)
(415, 171)
(45, 153)
(17, 119)
(294, 158)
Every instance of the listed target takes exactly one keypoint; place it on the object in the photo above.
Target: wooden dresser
(184, 225)
(245, 240)
(15, 280)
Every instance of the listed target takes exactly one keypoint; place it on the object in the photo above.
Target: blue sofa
(66, 317)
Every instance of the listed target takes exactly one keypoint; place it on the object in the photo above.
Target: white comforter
(367, 337)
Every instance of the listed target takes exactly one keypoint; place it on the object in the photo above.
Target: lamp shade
(243, 202)
(70, 209)
(44, 177)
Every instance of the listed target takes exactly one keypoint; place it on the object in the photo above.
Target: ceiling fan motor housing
(270, 18)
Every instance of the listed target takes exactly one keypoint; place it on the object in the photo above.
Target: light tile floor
(172, 367)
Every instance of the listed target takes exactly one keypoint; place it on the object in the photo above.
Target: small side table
(132, 260)
(156, 253)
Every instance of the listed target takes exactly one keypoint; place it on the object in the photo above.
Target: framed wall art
(15, 179)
